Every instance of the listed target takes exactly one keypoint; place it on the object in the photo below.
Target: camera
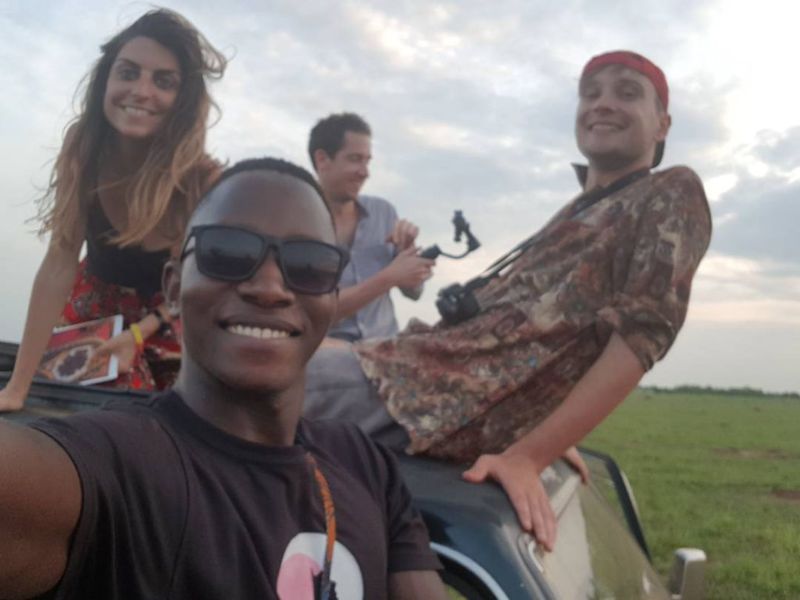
(457, 303)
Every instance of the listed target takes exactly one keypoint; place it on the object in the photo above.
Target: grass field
(717, 472)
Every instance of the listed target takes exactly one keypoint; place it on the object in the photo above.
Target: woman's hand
(518, 475)
(123, 346)
(11, 399)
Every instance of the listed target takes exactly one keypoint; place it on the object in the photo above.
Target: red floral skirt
(92, 298)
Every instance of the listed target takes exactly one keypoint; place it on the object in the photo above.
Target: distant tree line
(707, 389)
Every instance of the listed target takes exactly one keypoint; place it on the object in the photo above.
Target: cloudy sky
(472, 106)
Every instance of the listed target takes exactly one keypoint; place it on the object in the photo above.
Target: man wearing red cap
(612, 66)
(567, 329)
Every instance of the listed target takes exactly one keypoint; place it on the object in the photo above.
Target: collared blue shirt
(369, 255)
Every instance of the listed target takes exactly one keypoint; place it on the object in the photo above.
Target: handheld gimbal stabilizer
(462, 228)
(456, 302)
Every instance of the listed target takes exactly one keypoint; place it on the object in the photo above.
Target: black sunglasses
(235, 254)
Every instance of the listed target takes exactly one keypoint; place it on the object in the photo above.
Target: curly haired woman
(131, 168)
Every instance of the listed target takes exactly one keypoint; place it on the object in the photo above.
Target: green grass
(705, 470)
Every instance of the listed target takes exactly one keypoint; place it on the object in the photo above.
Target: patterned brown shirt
(623, 264)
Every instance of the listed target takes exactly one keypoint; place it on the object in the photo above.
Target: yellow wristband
(137, 336)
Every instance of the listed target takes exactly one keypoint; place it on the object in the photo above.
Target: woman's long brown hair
(169, 183)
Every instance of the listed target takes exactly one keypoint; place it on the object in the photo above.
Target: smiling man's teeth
(257, 332)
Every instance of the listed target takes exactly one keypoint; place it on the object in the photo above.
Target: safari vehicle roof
(473, 528)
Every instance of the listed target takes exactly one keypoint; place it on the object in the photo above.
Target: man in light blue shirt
(383, 254)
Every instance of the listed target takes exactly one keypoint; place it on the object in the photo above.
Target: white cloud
(717, 186)
(735, 290)
(767, 310)
(444, 136)
(405, 45)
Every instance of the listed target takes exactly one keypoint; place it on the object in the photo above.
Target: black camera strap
(583, 202)
(598, 193)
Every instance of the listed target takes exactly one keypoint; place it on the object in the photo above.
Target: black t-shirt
(175, 508)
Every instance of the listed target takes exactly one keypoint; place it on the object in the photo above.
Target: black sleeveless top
(132, 267)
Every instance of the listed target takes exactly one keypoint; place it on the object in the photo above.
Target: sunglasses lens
(225, 253)
(311, 267)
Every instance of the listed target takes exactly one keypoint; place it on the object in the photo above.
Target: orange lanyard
(325, 586)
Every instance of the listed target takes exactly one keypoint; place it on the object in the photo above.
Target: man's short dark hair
(328, 133)
(274, 165)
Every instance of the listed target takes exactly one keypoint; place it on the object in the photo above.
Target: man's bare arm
(603, 387)
(407, 270)
(413, 293)
(413, 585)
(40, 501)
(404, 234)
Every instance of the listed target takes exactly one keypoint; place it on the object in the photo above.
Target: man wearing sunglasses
(218, 489)
(382, 251)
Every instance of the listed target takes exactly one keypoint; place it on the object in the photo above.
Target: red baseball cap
(640, 64)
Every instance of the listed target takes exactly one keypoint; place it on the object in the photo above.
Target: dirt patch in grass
(792, 495)
(754, 453)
